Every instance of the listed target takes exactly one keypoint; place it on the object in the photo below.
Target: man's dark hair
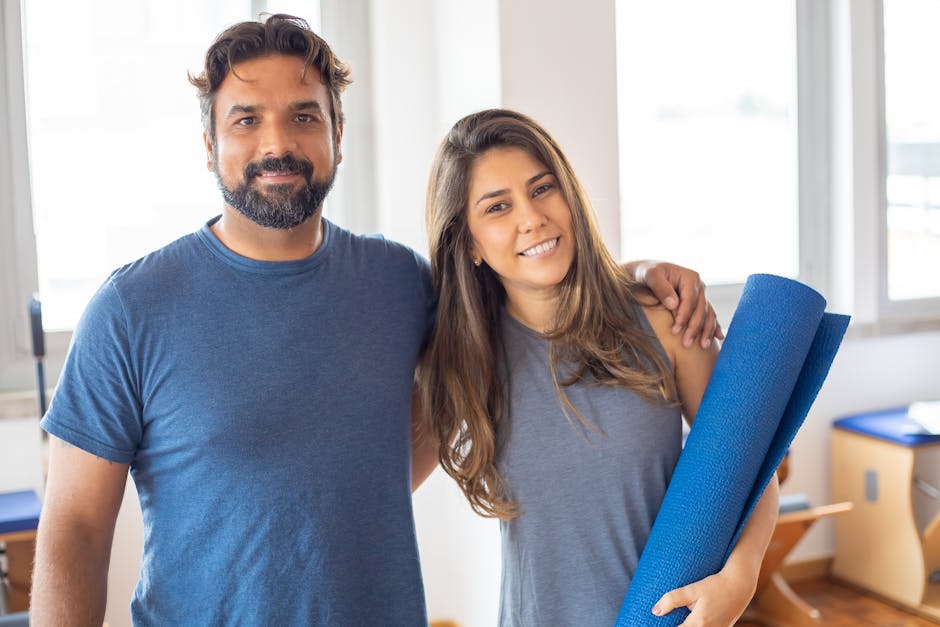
(277, 34)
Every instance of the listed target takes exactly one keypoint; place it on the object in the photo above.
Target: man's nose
(277, 140)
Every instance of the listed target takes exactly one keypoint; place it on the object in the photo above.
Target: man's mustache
(287, 163)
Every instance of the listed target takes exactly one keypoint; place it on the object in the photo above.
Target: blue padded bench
(19, 511)
(889, 466)
(891, 425)
(19, 619)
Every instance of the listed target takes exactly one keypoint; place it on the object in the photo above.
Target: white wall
(421, 86)
(126, 552)
(459, 555)
(20, 455)
(558, 65)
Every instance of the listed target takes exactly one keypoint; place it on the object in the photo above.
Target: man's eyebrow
(305, 105)
(500, 192)
(241, 110)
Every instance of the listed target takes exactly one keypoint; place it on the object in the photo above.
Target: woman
(554, 385)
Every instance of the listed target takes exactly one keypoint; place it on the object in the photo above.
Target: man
(256, 378)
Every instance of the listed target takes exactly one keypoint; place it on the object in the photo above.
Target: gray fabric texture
(588, 496)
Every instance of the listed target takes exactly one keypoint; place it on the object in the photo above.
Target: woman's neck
(536, 312)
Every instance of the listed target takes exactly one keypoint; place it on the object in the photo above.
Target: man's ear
(338, 145)
(210, 154)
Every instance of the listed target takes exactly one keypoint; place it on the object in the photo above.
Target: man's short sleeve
(96, 405)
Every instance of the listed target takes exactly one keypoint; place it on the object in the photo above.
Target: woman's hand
(720, 600)
(716, 601)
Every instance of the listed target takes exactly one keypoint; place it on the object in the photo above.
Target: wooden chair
(775, 603)
(19, 517)
(20, 548)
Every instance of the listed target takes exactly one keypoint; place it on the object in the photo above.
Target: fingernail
(676, 328)
(670, 302)
(657, 611)
(687, 342)
(706, 343)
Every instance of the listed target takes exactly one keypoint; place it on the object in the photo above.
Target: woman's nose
(530, 217)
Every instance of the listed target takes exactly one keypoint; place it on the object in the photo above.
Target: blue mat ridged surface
(777, 353)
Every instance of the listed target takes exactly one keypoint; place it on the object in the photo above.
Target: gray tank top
(587, 499)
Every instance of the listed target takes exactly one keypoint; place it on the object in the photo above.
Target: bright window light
(117, 163)
(912, 114)
(708, 135)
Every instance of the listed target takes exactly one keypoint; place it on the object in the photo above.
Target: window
(116, 156)
(794, 137)
(709, 135)
(912, 131)
(790, 136)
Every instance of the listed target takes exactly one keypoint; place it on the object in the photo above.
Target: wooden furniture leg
(774, 602)
(21, 547)
(778, 605)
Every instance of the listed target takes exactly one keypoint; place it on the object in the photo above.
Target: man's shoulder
(378, 250)
(159, 269)
(177, 252)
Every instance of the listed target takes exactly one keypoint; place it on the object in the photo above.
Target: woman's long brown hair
(596, 326)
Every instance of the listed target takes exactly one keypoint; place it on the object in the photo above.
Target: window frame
(813, 141)
(19, 275)
(908, 310)
(19, 279)
(841, 151)
(842, 171)
(814, 148)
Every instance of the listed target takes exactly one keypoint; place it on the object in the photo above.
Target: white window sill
(900, 326)
(18, 405)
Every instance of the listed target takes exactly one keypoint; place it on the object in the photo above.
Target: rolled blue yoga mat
(777, 353)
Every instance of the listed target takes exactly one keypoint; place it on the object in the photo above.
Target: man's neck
(244, 237)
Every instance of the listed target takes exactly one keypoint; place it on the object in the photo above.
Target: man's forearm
(70, 578)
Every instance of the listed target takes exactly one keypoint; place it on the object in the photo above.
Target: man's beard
(279, 206)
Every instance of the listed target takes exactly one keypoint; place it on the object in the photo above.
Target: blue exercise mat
(777, 353)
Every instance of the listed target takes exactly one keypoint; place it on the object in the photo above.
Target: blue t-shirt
(264, 408)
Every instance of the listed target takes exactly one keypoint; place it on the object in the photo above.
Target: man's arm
(424, 448)
(682, 292)
(73, 545)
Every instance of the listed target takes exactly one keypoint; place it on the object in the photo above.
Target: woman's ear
(475, 256)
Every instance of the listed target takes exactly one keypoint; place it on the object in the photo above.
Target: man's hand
(682, 292)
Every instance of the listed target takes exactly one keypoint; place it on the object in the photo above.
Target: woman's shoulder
(660, 319)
